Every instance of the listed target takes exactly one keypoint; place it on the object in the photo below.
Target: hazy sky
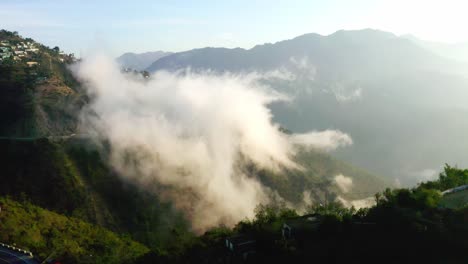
(173, 25)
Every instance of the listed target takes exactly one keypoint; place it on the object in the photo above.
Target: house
(41, 79)
(456, 189)
(241, 246)
(5, 55)
(300, 227)
(32, 63)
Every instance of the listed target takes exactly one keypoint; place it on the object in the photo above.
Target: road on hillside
(14, 257)
(47, 137)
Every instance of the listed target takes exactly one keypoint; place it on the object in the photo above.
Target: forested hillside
(67, 239)
(405, 226)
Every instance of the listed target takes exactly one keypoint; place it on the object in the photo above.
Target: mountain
(53, 174)
(351, 53)
(60, 195)
(395, 98)
(454, 51)
(140, 61)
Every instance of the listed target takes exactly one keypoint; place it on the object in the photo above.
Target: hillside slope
(71, 178)
(68, 239)
(38, 94)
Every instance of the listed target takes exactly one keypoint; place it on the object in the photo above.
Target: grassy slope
(44, 232)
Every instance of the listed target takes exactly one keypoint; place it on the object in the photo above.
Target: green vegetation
(70, 178)
(451, 177)
(63, 238)
(405, 226)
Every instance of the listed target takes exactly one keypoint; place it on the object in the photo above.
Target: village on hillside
(14, 47)
(20, 51)
(35, 59)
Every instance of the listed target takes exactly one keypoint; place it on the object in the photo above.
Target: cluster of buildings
(21, 51)
(295, 231)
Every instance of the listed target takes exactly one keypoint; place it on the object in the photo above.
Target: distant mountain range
(350, 53)
(140, 61)
(394, 95)
(455, 51)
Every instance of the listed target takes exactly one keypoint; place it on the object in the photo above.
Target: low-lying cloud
(357, 204)
(344, 183)
(191, 133)
(326, 140)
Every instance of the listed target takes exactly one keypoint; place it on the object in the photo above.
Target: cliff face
(56, 108)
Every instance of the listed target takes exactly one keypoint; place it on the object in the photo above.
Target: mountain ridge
(351, 81)
(140, 61)
(317, 48)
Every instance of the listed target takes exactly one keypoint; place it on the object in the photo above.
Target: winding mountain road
(46, 137)
(8, 255)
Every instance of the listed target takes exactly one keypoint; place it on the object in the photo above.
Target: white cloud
(152, 22)
(424, 174)
(344, 183)
(192, 132)
(303, 67)
(325, 140)
(346, 92)
(358, 204)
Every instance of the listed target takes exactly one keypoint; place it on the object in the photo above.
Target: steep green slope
(70, 177)
(72, 240)
(40, 171)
